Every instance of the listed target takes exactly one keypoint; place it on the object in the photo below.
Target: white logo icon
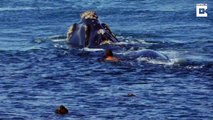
(201, 10)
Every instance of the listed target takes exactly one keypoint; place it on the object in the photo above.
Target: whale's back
(150, 54)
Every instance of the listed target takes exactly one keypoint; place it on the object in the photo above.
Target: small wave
(24, 8)
(193, 64)
(135, 41)
(92, 49)
(154, 61)
(16, 8)
(58, 37)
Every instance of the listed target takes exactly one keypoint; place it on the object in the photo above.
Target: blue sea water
(39, 72)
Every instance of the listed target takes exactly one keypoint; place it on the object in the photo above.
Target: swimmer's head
(89, 15)
(109, 56)
(108, 53)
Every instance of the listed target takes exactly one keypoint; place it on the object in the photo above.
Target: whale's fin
(112, 35)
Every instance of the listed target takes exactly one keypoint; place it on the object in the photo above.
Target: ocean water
(39, 72)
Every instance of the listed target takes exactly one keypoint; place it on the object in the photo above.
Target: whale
(148, 54)
(91, 33)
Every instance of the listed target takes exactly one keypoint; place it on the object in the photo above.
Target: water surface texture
(39, 71)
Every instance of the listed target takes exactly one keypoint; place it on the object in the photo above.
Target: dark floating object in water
(130, 95)
(61, 110)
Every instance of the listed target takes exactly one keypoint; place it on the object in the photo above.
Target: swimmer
(61, 110)
(109, 56)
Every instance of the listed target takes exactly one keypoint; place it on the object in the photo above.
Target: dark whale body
(93, 34)
(87, 34)
(149, 54)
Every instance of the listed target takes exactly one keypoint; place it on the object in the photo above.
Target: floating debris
(130, 95)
